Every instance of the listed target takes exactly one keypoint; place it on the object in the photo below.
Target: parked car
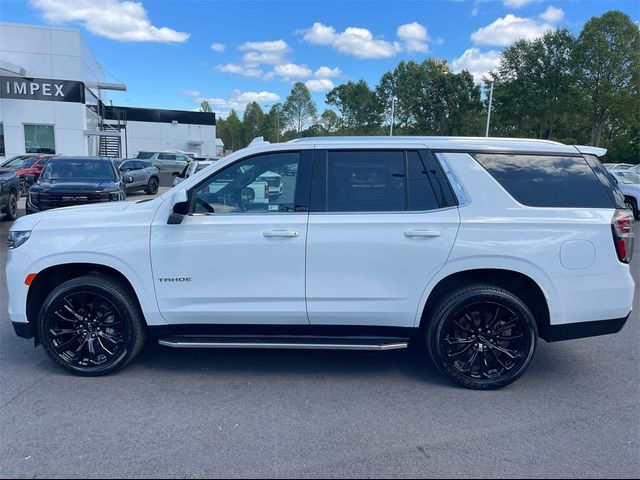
(618, 166)
(144, 174)
(9, 193)
(68, 181)
(27, 164)
(475, 248)
(629, 183)
(188, 170)
(169, 161)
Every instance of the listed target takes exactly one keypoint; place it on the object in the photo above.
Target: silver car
(145, 175)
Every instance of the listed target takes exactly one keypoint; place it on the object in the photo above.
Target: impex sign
(19, 88)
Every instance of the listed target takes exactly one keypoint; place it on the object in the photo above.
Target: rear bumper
(571, 331)
(23, 329)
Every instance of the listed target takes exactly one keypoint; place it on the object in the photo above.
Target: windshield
(22, 161)
(628, 177)
(78, 170)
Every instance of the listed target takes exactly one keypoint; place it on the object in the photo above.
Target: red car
(27, 164)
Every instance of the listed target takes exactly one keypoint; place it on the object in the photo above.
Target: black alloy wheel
(91, 325)
(152, 186)
(12, 206)
(483, 337)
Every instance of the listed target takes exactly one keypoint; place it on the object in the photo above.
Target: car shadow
(413, 362)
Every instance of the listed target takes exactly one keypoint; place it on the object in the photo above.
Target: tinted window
(420, 192)
(250, 186)
(366, 181)
(127, 165)
(166, 156)
(23, 161)
(39, 139)
(144, 155)
(547, 181)
(72, 170)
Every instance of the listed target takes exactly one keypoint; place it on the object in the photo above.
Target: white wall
(168, 136)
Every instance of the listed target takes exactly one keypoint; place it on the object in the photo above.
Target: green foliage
(360, 108)
(299, 109)
(252, 122)
(205, 106)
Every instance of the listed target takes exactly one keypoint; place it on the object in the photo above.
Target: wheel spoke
(458, 341)
(105, 348)
(461, 327)
(495, 317)
(71, 320)
(510, 338)
(469, 365)
(69, 307)
(505, 327)
(111, 338)
(510, 353)
(500, 361)
(58, 333)
(63, 347)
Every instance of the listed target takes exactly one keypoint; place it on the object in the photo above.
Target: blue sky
(173, 53)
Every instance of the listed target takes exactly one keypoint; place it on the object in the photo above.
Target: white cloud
(326, 72)
(291, 70)
(218, 47)
(552, 15)
(260, 58)
(478, 63)
(191, 93)
(519, 3)
(358, 42)
(239, 70)
(506, 30)
(238, 100)
(319, 85)
(414, 36)
(125, 21)
(273, 46)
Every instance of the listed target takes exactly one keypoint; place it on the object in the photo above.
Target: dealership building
(55, 98)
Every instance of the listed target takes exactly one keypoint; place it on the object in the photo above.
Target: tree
(534, 87)
(329, 121)
(431, 100)
(272, 123)
(299, 108)
(360, 108)
(236, 131)
(223, 133)
(252, 121)
(205, 106)
(607, 59)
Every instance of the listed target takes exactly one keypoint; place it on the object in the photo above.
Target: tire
(467, 340)
(11, 212)
(152, 186)
(115, 328)
(632, 205)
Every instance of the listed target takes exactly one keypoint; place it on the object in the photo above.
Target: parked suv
(475, 248)
(24, 165)
(169, 161)
(145, 176)
(68, 181)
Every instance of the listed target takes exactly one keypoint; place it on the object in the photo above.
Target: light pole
(393, 115)
(489, 110)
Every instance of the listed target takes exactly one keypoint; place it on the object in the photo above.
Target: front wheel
(91, 325)
(482, 337)
(152, 186)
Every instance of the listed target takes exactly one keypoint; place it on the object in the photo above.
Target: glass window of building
(39, 139)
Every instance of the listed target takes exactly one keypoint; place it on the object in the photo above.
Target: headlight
(17, 238)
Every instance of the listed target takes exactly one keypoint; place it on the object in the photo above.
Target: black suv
(67, 181)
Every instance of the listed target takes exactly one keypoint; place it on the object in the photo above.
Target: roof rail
(402, 138)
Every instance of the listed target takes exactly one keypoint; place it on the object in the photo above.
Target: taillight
(623, 235)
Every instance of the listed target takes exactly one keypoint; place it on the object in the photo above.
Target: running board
(287, 342)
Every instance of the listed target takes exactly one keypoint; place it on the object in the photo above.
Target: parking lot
(239, 413)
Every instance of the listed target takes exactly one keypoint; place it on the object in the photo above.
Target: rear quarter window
(547, 181)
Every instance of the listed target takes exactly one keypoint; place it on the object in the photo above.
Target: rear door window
(547, 180)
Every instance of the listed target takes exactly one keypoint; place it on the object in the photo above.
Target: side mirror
(30, 178)
(180, 207)
(128, 179)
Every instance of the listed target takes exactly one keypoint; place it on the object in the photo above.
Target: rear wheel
(11, 212)
(482, 337)
(91, 325)
(152, 186)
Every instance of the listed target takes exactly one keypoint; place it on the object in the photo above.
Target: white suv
(472, 247)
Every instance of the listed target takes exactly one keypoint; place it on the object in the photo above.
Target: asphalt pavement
(252, 413)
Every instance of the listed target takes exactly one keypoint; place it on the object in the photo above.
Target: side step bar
(287, 342)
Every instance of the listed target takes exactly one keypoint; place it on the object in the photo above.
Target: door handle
(422, 233)
(281, 233)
